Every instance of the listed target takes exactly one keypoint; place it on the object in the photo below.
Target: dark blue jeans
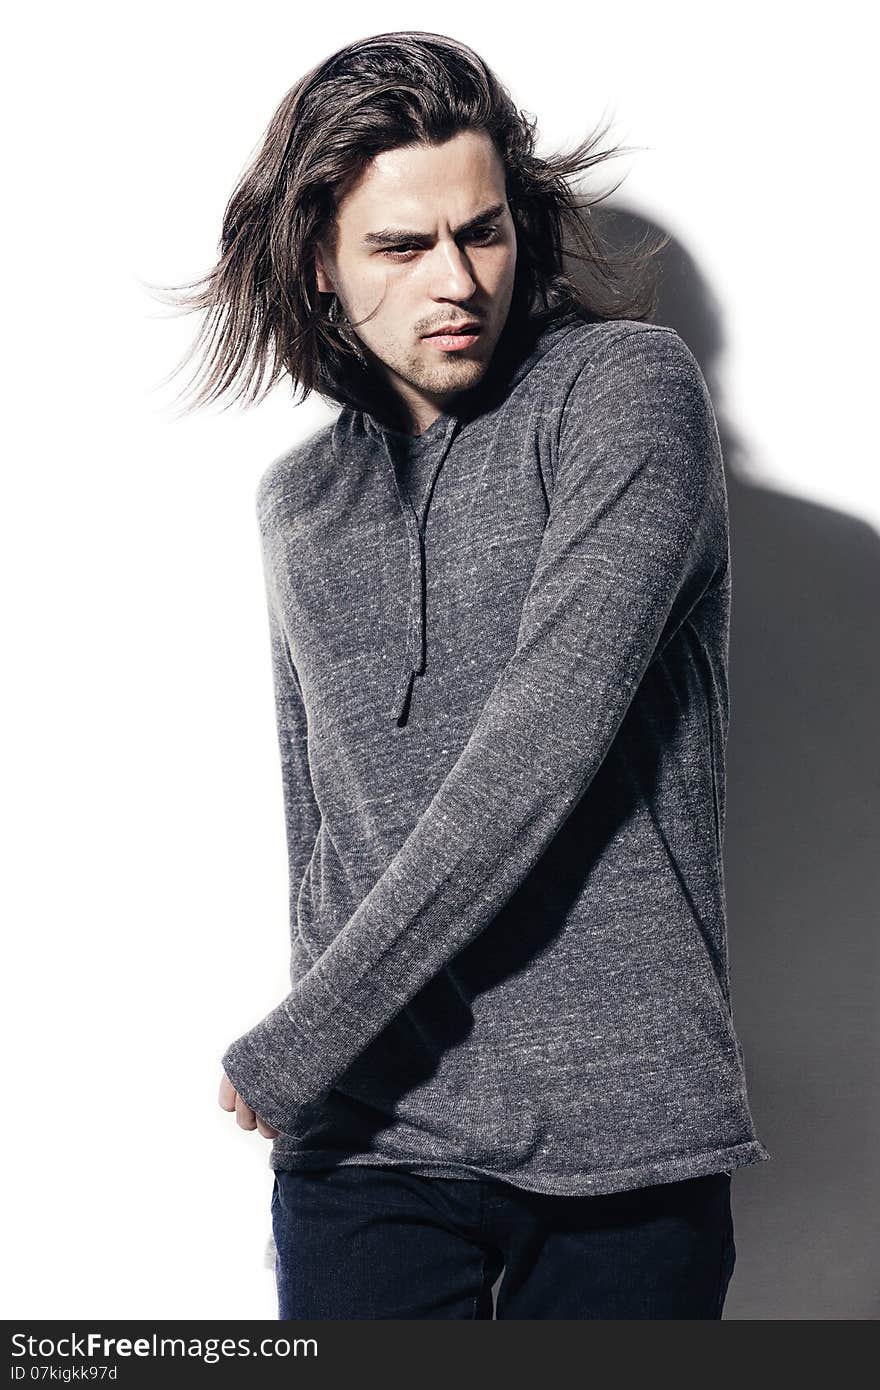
(363, 1241)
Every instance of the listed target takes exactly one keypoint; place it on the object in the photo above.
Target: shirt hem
(603, 1181)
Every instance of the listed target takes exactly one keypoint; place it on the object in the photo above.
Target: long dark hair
(264, 316)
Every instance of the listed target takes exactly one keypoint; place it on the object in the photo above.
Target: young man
(498, 593)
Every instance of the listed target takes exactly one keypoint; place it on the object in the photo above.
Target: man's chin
(444, 378)
(456, 371)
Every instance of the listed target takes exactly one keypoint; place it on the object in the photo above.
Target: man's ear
(324, 283)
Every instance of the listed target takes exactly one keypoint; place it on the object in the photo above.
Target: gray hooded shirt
(500, 664)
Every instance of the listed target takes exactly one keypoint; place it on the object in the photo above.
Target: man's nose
(450, 274)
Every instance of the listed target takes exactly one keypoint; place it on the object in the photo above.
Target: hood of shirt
(511, 362)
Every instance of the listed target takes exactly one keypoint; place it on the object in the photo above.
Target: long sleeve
(301, 813)
(629, 545)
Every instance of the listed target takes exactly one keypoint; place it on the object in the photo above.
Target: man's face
(403, 245)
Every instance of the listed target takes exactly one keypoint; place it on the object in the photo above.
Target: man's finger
(227, 1094)
(244, 1114)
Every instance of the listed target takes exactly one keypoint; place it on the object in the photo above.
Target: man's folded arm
(637, 501)
(301, 813)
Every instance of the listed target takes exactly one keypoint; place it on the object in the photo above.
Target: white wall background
(145, 884)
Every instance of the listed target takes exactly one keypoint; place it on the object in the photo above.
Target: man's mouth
(459, 328)
(457, 338)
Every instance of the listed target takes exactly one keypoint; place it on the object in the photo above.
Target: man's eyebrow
(389, 236)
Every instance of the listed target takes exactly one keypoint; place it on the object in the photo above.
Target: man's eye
(484, 235)
(490, 232)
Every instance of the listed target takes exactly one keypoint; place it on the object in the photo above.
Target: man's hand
(245, 1116)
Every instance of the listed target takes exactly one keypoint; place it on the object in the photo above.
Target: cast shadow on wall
(801, 856)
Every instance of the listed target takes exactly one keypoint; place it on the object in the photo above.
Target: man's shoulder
(595, 341)
(291, 475)
(649, 364)
(584, 357)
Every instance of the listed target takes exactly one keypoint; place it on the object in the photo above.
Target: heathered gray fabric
(414, 457)
(502, 720)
